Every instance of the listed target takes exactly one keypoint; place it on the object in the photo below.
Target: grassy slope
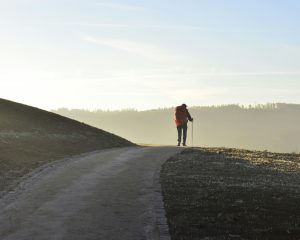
(30, 137)
(232, 194)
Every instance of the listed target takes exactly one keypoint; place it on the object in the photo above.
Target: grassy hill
(219, 193)
(31, 137)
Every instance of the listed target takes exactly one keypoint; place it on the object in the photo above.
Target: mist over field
(272, 127)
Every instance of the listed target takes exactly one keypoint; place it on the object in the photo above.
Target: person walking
(182, 116)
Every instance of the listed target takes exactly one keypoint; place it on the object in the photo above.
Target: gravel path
(110, 194)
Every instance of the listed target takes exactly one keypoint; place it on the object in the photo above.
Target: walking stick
(193, 133)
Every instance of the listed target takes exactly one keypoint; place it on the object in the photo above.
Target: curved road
(110, 194)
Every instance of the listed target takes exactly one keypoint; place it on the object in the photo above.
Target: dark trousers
(180, 129)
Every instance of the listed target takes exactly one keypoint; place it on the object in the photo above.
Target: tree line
(273, 127)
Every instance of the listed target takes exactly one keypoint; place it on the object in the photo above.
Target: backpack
(181, 116)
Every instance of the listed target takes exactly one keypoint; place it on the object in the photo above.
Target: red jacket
(182, 115)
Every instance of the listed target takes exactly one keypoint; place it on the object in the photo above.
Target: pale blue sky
(114, 54)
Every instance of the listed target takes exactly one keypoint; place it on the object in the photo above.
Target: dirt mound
(31, 137)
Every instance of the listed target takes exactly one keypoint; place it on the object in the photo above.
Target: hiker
(182, 116)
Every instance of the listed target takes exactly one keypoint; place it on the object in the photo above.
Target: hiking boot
(178, 144)
(184, 144)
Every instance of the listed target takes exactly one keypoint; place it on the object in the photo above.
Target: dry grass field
(213, 193)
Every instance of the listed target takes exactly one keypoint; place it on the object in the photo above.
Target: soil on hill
(232, 194)
(30, 137)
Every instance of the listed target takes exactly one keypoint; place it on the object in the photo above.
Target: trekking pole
(192, 133)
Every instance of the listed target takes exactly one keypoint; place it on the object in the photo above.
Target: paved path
(111, 194)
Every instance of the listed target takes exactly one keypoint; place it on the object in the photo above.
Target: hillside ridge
(31, 137)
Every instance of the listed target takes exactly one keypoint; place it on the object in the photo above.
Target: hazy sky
(114, 54)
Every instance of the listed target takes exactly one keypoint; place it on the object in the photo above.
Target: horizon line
(246, 106)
